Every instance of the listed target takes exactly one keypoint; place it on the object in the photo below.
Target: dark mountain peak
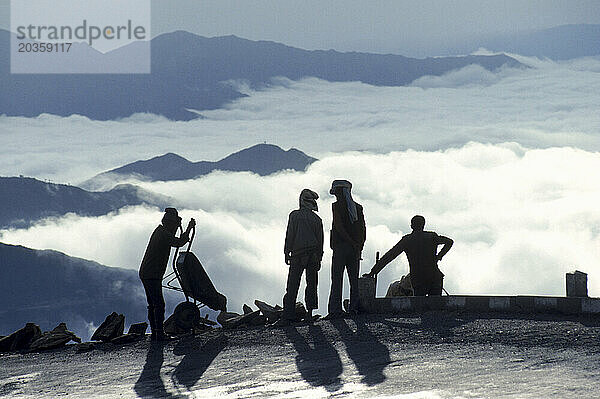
(25, 200)
(149, 168)
(263, 159)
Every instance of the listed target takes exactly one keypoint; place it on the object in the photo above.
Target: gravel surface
(430, 355)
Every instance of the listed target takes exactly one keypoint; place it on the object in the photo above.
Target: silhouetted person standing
(154, 265)
(348, 235)
(421, 250)
(303, 253)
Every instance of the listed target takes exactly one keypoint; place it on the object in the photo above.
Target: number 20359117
(44, 47)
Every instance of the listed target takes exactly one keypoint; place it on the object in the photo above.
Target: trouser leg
(436, 285)
(335, 294)
(156, 304)
(291, 291)
(151, 319)
(419, 288)
(310, 293)
(352, 268)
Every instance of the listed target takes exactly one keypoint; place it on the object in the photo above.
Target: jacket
(156, 257)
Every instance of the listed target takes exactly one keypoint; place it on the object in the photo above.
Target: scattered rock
(403, 287)
(272, 313)
(237, 321)
(200, 328)
(85, 347)
(138, 328)
(247, 309)
(112, 327)
(259, 320)
(207, 322)
(223, 317)
(126, 338)
(20, 339)
(54, 339)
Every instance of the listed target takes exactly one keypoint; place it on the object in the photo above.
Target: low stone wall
(478, 303)
(517, 304)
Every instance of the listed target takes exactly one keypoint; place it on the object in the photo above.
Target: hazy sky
(408, 27)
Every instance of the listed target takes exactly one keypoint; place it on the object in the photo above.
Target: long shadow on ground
(150, 384)
(319, 364)
(369, 355)
(198, 356)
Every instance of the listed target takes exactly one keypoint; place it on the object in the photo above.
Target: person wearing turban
(348, 235)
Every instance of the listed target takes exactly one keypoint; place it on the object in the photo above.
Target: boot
(152, 321)
(309, 315)
(159, 332)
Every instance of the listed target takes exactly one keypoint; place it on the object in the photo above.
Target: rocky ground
(430, 355)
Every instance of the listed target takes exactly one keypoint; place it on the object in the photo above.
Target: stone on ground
(20, 339)
(138, 328)
(272, 313)
(112, 327)
(54, 339)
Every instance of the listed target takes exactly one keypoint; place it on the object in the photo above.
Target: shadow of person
(369, 355)
(319, 364)
(150, 383)
(198, 353)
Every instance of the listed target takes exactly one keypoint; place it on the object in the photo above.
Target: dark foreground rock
(20, 339)
(138, 328)
(112, 327)
(58, 337)
(272, 313)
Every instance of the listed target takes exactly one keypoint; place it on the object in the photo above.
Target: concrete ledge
(517, 304)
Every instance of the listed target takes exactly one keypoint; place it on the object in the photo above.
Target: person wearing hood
(154, 266)
(348, 235)
(303, 251)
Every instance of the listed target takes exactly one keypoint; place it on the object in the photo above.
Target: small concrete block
(525, 303)
(569, 305)
(456, 302)
(590, 305)
(399, 304)
(434, 303)
(382, 305)
(541, 303)
(499, 303)
(480, 303)
(576, 284)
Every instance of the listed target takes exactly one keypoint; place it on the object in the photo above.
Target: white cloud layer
(550, 104)
(520, 219)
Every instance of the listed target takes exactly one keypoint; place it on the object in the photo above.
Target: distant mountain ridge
(49, 287)
(262, 159)
(188, 71)
(558, 43)
(24, 200)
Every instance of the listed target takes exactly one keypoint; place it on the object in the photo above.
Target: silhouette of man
(303, 253)
(421, 250)
(348, 235)
(154, 265)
